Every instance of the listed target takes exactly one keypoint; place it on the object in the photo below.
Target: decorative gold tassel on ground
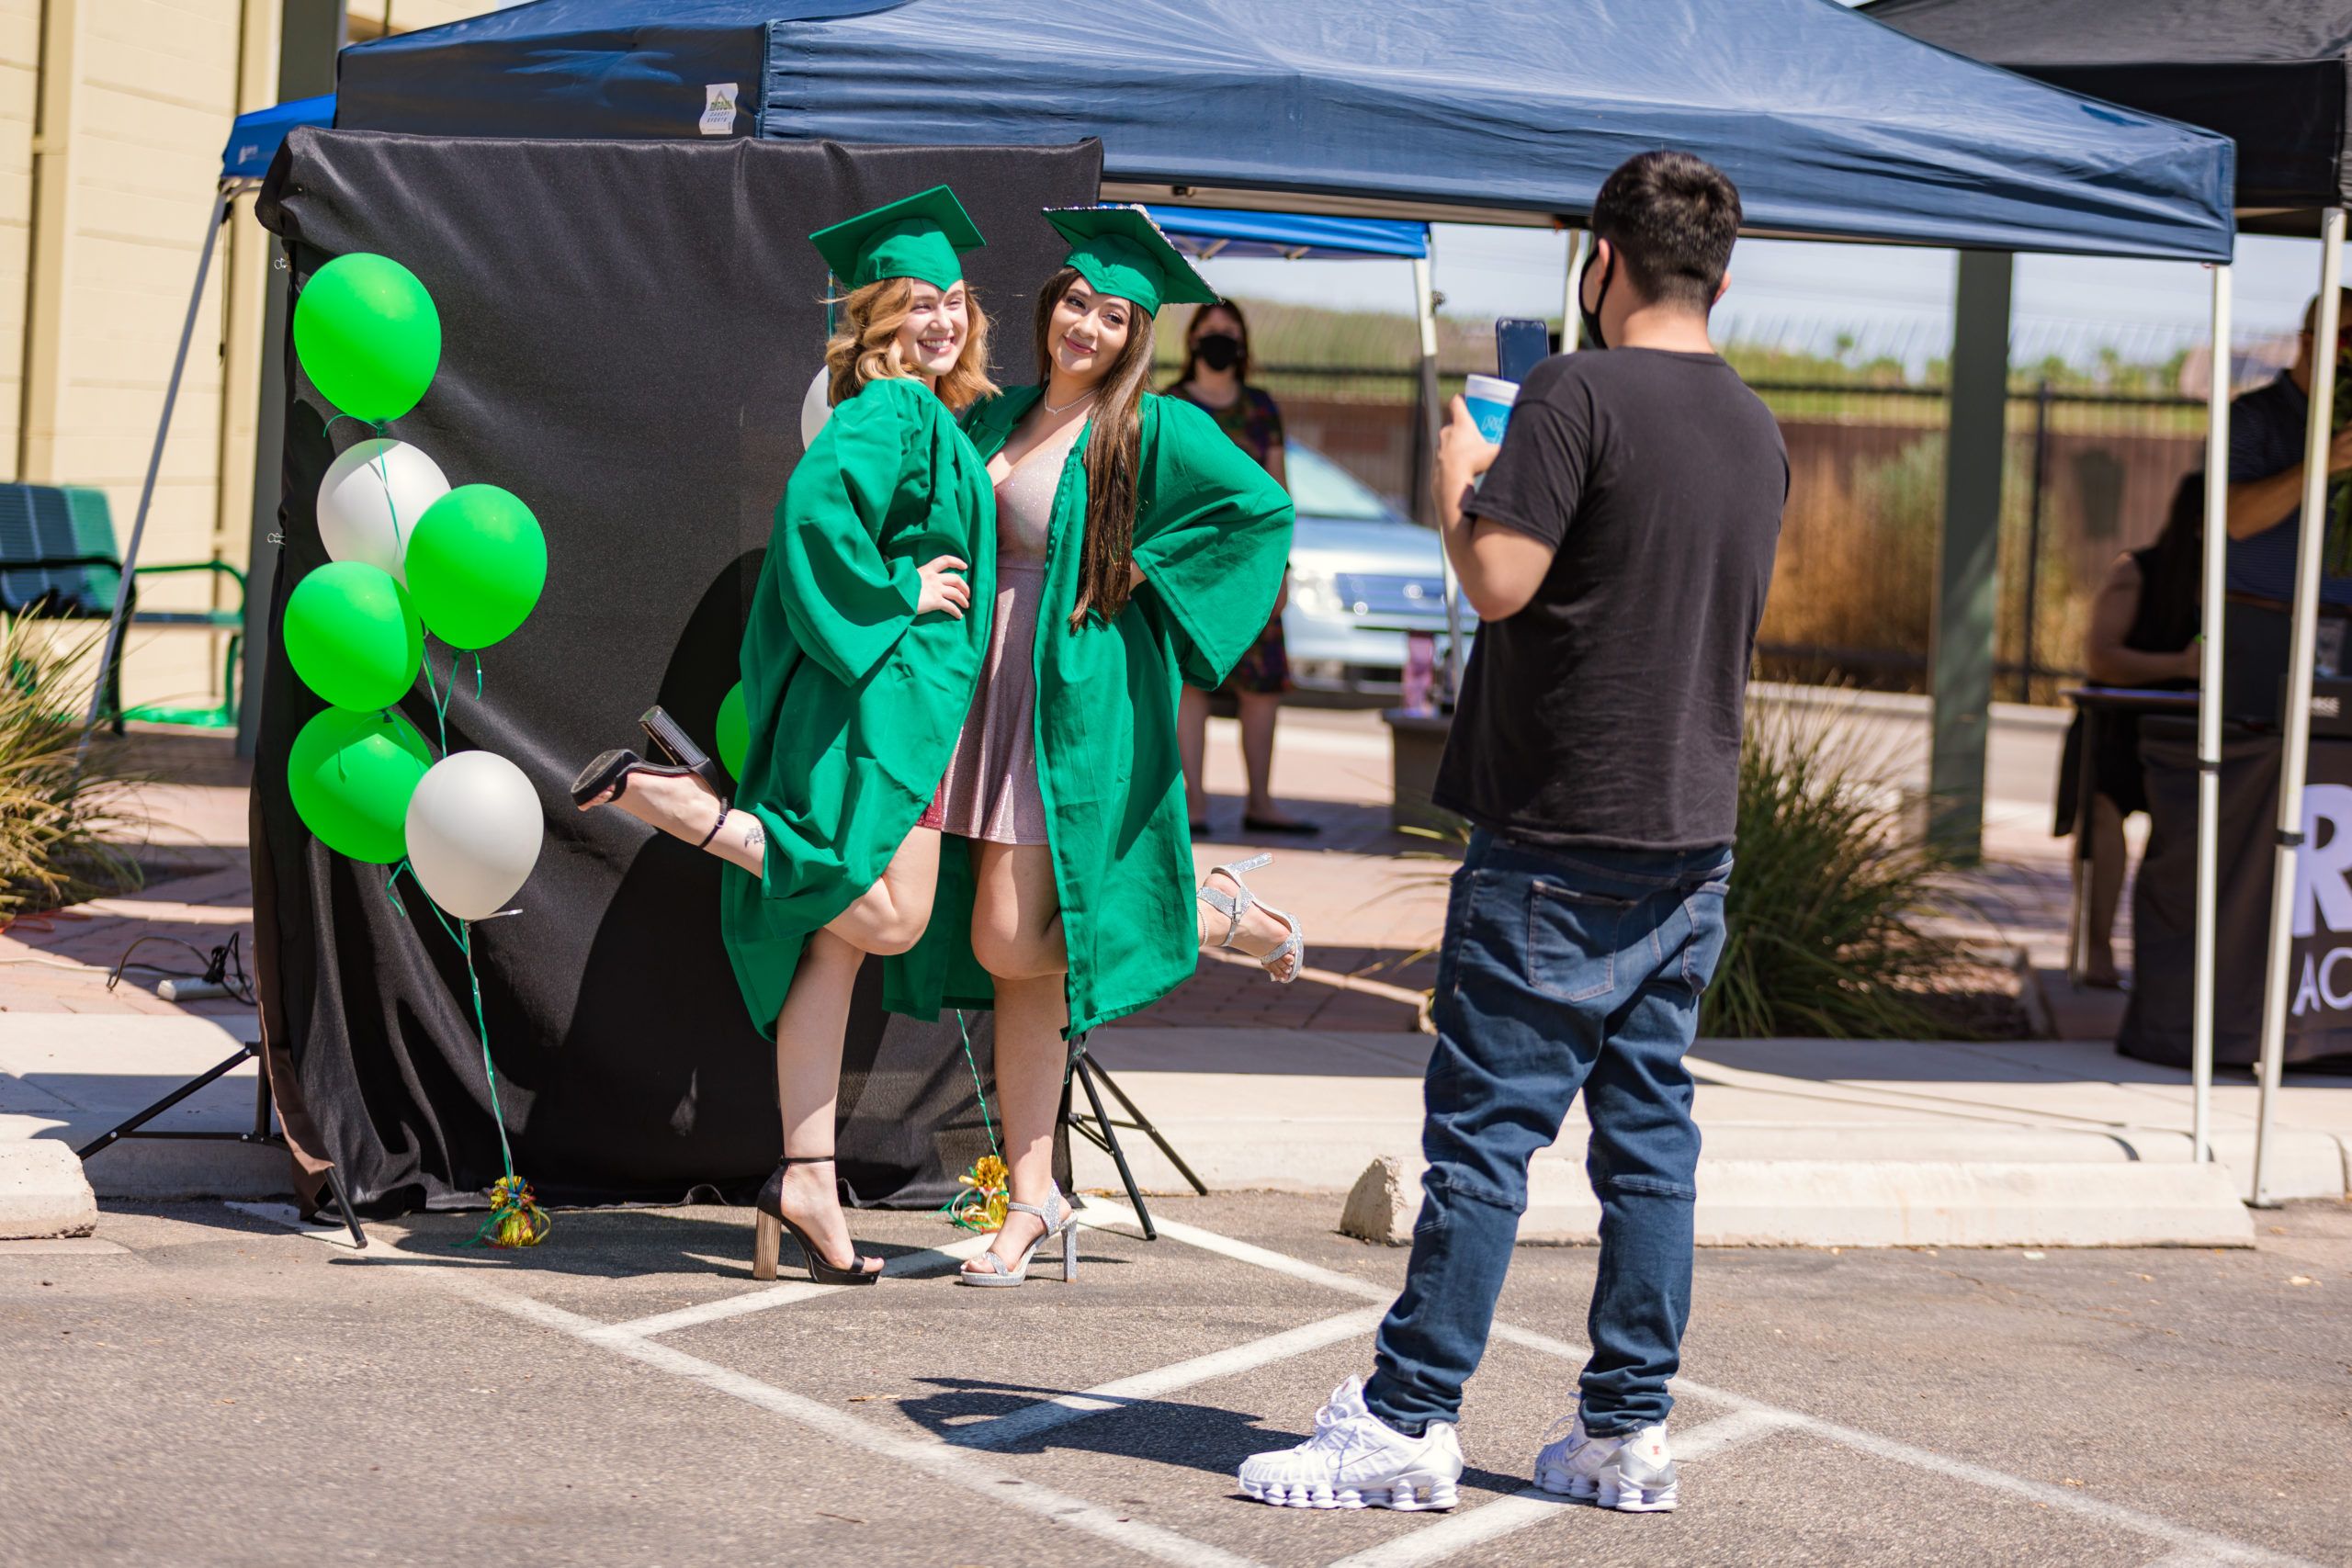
(516, 1220)
(986, 1190)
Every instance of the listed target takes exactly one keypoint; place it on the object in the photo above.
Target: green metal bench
(59, 560)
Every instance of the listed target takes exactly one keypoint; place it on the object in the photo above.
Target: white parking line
(2180, 1537)
(957, 1467)
(1458, 1533)
(1030, 1420)
(1103, 1214)
(931, 1260)
(957, 1464)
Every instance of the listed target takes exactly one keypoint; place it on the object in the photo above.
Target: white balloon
(816, 407)
(474, 829)
(371, 499)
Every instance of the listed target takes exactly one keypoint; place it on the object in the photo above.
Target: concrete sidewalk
(1314, 1086)
(1824, 1143)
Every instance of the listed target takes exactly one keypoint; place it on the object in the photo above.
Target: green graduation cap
(917, 236)
(1121, 251)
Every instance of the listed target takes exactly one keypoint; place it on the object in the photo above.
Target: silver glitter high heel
(1232, 908)
(1058, 1221)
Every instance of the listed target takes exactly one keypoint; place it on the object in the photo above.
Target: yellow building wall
(154, 86)
(20, 80)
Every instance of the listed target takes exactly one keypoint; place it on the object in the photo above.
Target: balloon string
(441, 698)
(980, 1093)
(392, 507)
(481, 1027)
(398, 908)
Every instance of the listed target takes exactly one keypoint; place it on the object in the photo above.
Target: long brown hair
(1114, 456)
(1192, 338)
(866, 346)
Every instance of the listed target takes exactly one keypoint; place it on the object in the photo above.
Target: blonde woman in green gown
(859, 663)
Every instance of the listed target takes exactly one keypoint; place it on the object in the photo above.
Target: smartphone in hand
(1520, 345)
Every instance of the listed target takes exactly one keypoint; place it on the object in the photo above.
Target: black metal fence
(2088, 473)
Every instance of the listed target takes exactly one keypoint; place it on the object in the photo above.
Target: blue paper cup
(1491, 397)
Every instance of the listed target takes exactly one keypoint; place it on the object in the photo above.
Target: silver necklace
(1070, 405)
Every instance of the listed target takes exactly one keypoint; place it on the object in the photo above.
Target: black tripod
(1102, 1131)
(136, 1128)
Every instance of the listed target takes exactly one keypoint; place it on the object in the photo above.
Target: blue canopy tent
(1498, 111)
(1475, 111)
(1208, 232)
(1493, 111)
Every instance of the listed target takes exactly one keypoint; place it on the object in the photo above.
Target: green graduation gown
(1212, 536)
(855, 701)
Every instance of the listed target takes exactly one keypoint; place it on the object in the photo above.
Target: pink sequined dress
(990, 791)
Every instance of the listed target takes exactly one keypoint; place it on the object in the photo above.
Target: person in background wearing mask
(2143, 635)
(1216, 380)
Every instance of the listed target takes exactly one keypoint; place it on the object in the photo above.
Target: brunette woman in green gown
(1137, 546)
(859, 664)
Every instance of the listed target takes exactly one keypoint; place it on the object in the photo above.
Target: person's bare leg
(684, 808)
(1191, 745)
(1017, 936)
(1030, 1061)
(1258, 712)
(890, 916)
(808, 1034)
(2110, 858)
(1016, 913)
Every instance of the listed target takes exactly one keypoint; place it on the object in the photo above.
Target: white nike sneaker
(1633, 1472)
(1357, 1460)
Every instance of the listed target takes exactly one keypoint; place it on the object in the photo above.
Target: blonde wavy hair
(866, 348)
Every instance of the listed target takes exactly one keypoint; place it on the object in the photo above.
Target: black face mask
(1592, 334)
(1218, 351)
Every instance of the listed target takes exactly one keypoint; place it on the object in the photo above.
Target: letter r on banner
(2323, 894)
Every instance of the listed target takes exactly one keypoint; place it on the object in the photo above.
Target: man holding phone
(1617, 550)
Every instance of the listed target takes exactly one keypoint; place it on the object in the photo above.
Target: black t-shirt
(1607, 712)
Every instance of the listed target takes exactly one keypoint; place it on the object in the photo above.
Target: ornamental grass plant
(60, 824)
(1837, 892)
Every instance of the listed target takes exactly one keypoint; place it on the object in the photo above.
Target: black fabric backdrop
(627, 331)
(2163, 902)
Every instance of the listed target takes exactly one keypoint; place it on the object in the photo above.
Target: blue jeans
(1561, 970)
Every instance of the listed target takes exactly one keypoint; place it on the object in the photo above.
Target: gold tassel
(516, 1217)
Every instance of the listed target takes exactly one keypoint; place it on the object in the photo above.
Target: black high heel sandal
(767, 1236)
(611, 770)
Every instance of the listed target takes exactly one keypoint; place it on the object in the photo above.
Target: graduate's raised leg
(686, 807)
(890, 916)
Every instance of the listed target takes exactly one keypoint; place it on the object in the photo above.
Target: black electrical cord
(223, 966)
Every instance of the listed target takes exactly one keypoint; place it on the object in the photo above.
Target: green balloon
(734, 731)
(369, 336)
(351, 775)
(353, 636)
(476, 563)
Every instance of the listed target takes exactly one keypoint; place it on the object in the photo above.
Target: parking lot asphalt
(209, 1383)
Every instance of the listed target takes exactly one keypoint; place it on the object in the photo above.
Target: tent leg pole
(154, 465)
(1432, 417)
(1571, 307)
(2208, 722)
(2295, 721)
(1961, 633)
(269, 493)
